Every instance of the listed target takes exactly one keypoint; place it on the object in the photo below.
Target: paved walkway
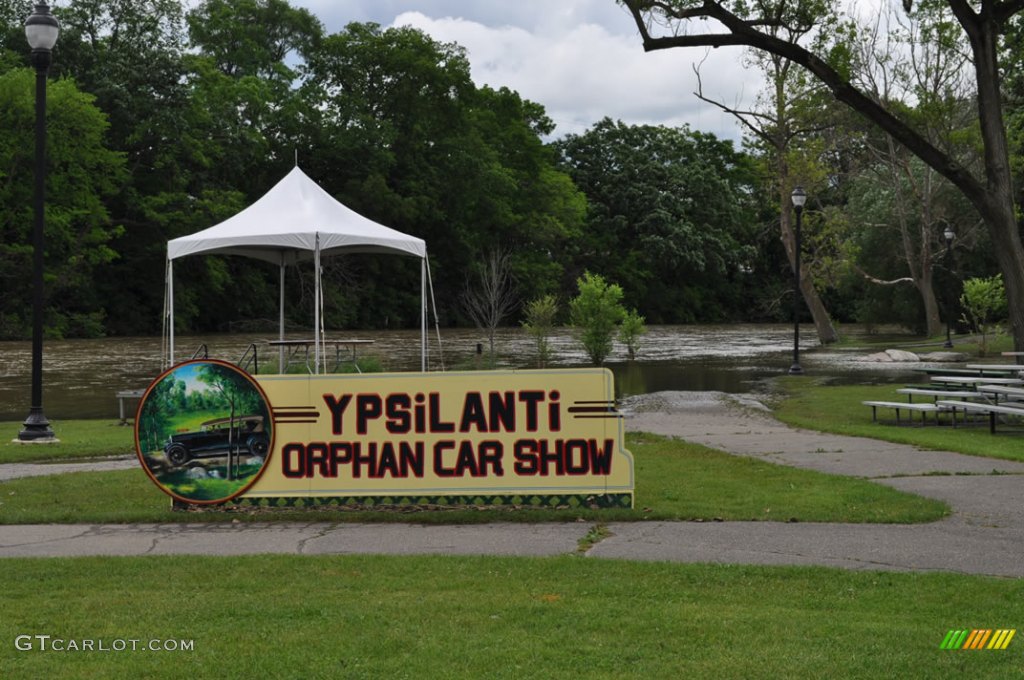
(984, 535)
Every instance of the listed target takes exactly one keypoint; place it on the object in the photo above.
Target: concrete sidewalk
(984, 535)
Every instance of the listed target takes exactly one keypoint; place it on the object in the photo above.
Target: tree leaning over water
(711, 23)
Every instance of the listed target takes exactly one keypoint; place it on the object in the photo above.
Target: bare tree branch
(492, 296)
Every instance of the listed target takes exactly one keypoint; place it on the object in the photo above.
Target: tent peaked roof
(284, 224)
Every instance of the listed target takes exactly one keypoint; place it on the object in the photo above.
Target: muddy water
(80, 377)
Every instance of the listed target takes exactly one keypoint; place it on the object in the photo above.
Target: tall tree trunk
(932, 318)
(998, 209)
(822, 321)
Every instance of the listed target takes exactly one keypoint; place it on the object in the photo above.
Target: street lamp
(799, 197)
(948, 235)
(41, 29)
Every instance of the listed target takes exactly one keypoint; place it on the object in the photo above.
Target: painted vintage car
(216, 437)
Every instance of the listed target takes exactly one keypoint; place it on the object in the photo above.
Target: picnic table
(991, 410)
(1016, 393)
(303, 345)
(976, 380)
(996, 368)
(123, 396)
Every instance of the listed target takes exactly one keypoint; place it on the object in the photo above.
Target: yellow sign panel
(546, 432)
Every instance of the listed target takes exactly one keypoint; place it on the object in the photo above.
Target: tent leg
(280, 327)
(316, 307)
(170, 307)
(423, 315)
(437, 322)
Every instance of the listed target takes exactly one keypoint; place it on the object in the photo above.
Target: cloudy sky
(581, 59)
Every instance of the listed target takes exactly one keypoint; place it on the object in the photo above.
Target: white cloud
(581, 59)
(582, 72)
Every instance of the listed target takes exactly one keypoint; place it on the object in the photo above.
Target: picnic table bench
(125, 395)
(977, 380)
(991, 409)
(937, 393)
(1000, 369)
(923, 409)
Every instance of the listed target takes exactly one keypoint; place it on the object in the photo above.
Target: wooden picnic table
(295, 346)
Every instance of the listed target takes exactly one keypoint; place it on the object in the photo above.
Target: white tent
(297, 220)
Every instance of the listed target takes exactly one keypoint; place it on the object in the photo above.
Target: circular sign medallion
(204, 432)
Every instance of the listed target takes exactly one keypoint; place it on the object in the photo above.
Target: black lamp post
(41, 29)
(799, 197)
(948, 235)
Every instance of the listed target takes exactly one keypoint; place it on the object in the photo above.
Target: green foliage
(630, 331)
(670, 215)
(82, 176)
(984, 303)
(838, 409)
(596, 311)
(541, 314)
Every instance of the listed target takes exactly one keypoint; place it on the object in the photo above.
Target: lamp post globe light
(948, 234)
(41, 30)
(799, 197)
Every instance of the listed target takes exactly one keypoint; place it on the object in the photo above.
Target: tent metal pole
(423, 314)
(316, 306)
(280, 327)
(437, 322)
(170, 306)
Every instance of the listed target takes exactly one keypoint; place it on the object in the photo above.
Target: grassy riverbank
(838, 409)
(79, 439)
(475, 617)
(675, 480)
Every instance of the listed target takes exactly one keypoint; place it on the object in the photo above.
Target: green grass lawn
(78, 439)
(483, 617)
(838, 409)
(675, 480)
(967, 344)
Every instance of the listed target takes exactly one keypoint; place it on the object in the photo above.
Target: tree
(894, 192)
(539, 322)
(82, 174)
(493, 296)
(782, 124)
(596, 312)
(404, 137)
(897, 213)
(630, 330)
(670, 217)
(746, 24)
(983, 301)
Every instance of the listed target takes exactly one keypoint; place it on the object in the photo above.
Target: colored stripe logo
(979, 638)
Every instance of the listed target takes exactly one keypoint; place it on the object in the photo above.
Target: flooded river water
(81, 377)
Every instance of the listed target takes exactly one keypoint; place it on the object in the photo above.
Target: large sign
(495, 433)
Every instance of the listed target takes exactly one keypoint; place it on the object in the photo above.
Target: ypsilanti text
(495, 434)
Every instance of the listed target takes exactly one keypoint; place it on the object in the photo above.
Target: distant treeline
(163, 122)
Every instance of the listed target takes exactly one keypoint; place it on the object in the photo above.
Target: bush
(540, 320)
(630, 331)
(596, 312)
(984, 302)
